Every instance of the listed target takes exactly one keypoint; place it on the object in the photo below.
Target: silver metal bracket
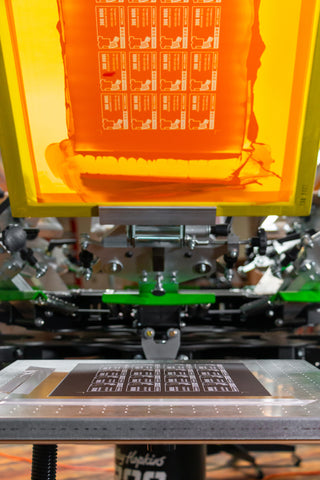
(157, 215)
(160, 349)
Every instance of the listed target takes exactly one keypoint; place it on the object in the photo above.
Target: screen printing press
(133, 134)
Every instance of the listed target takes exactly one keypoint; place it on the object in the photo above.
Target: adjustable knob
(14, 238)
(261, 241)
(158, 290)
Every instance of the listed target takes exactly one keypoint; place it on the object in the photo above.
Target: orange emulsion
(159, 77)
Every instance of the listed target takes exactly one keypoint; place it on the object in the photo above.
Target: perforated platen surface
(161, 380)
(28, 413)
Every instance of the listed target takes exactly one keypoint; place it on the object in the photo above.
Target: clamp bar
(157, 215)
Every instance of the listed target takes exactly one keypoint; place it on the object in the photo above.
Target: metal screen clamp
(157, 215)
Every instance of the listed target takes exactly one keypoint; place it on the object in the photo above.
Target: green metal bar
(304, 296)
(12, 295)
(152, 300)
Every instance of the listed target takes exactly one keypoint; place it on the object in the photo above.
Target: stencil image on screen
(163, 380)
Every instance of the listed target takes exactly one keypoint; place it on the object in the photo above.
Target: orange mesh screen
(158, 77)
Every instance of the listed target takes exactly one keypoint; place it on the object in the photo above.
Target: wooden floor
(91, 462)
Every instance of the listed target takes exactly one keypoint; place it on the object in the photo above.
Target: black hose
(44, 462)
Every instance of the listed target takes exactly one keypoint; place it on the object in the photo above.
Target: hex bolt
(307, 266)
(228, 274)
(148, 333)
(174, 276)
(41, 270)
(85, 242)
(203, 268)
(233, 253)
(87, 273)
(133, 313)
(172, 332)
(205, 306)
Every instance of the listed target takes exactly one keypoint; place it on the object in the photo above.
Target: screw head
(19, 353)
(233, 253)
(144, 277)
(172, 332)
(115, 266)
(39, 322)
(87, 273)
(148, 333)
(183, 357)
(41, 270)
(278, 322)
(202, 267)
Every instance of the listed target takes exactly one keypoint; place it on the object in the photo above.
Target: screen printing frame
(17, 154)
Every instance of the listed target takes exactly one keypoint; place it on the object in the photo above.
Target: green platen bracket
(165, 300)
(17, 295)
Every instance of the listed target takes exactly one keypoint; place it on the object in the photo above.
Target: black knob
(221, 230)
(27, 256)
(14, 238)
(260, 241)
(86, 258)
